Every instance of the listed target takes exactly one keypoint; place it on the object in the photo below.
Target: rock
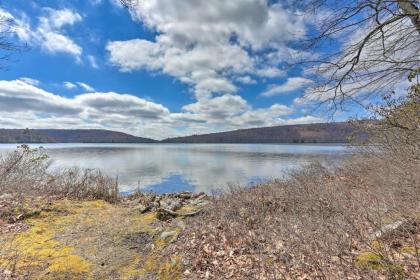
(200, 194)
(400, 227)
(200, 201)
(155, 205)
(185, 195)
(134, 203)
(143, 208)
(170, 204)
(167, 235)
(164, 214)
(6, 196)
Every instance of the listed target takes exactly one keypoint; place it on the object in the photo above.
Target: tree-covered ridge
(307, 133)
(68, 136)
(303, 133)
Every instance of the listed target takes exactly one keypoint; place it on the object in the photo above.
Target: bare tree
(378, 46)
(7, 44)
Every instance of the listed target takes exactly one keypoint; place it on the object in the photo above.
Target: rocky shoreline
(146, 202)
(167, 206)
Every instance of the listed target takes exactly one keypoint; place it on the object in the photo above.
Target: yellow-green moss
(369, 260)
(171, 270)
(37, 250)
(374, 261)
(132, 270)
(85, 240)
(408, 250)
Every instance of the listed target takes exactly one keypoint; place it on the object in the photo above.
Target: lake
(190, 167)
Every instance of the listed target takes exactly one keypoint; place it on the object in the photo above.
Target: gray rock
(165, 215)
(398, 227)
(143, 208)
(168, 235)
(170, 204)
(134, 203)
(185, 195)
(6, 196)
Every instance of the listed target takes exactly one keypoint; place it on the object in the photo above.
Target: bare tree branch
(380, 46)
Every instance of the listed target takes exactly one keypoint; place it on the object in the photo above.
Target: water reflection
(193, 167)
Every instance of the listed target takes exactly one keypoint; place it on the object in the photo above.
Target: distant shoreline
(170, 143)
(322, 133)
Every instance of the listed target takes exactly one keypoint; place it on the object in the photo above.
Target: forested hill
(305, 133)
(68, 136)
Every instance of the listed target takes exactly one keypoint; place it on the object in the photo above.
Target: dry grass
(315, 225)
(360, 221)
(26, 173)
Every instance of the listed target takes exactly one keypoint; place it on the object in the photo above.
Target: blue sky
(166, 68)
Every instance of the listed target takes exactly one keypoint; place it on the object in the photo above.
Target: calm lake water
(192, 167)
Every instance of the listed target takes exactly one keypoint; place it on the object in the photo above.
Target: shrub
(26, 172)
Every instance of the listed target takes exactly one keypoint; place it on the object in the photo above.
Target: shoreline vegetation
(360, 221)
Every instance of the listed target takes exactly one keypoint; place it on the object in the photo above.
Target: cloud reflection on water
(193, 167)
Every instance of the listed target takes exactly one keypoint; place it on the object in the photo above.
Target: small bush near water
(26, 172)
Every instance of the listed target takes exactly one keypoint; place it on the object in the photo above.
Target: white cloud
(69, 85)
(59, 18)
(30, 81)
(85, 86)
(116, 3)
(292, 84)
(38, 108)
(218, 108)
(206, 44)
(20, 96)
(49, 34)
(270, 72)
(92, 61)
(112, 103)
(246, 80)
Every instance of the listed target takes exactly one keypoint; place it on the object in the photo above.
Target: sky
(166, 68)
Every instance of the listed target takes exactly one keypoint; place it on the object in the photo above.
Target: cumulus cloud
(49, 34)
(292, 84)
(121, 104)
(246, 80)
(206, 44)
(20, 96)
(38, 108)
